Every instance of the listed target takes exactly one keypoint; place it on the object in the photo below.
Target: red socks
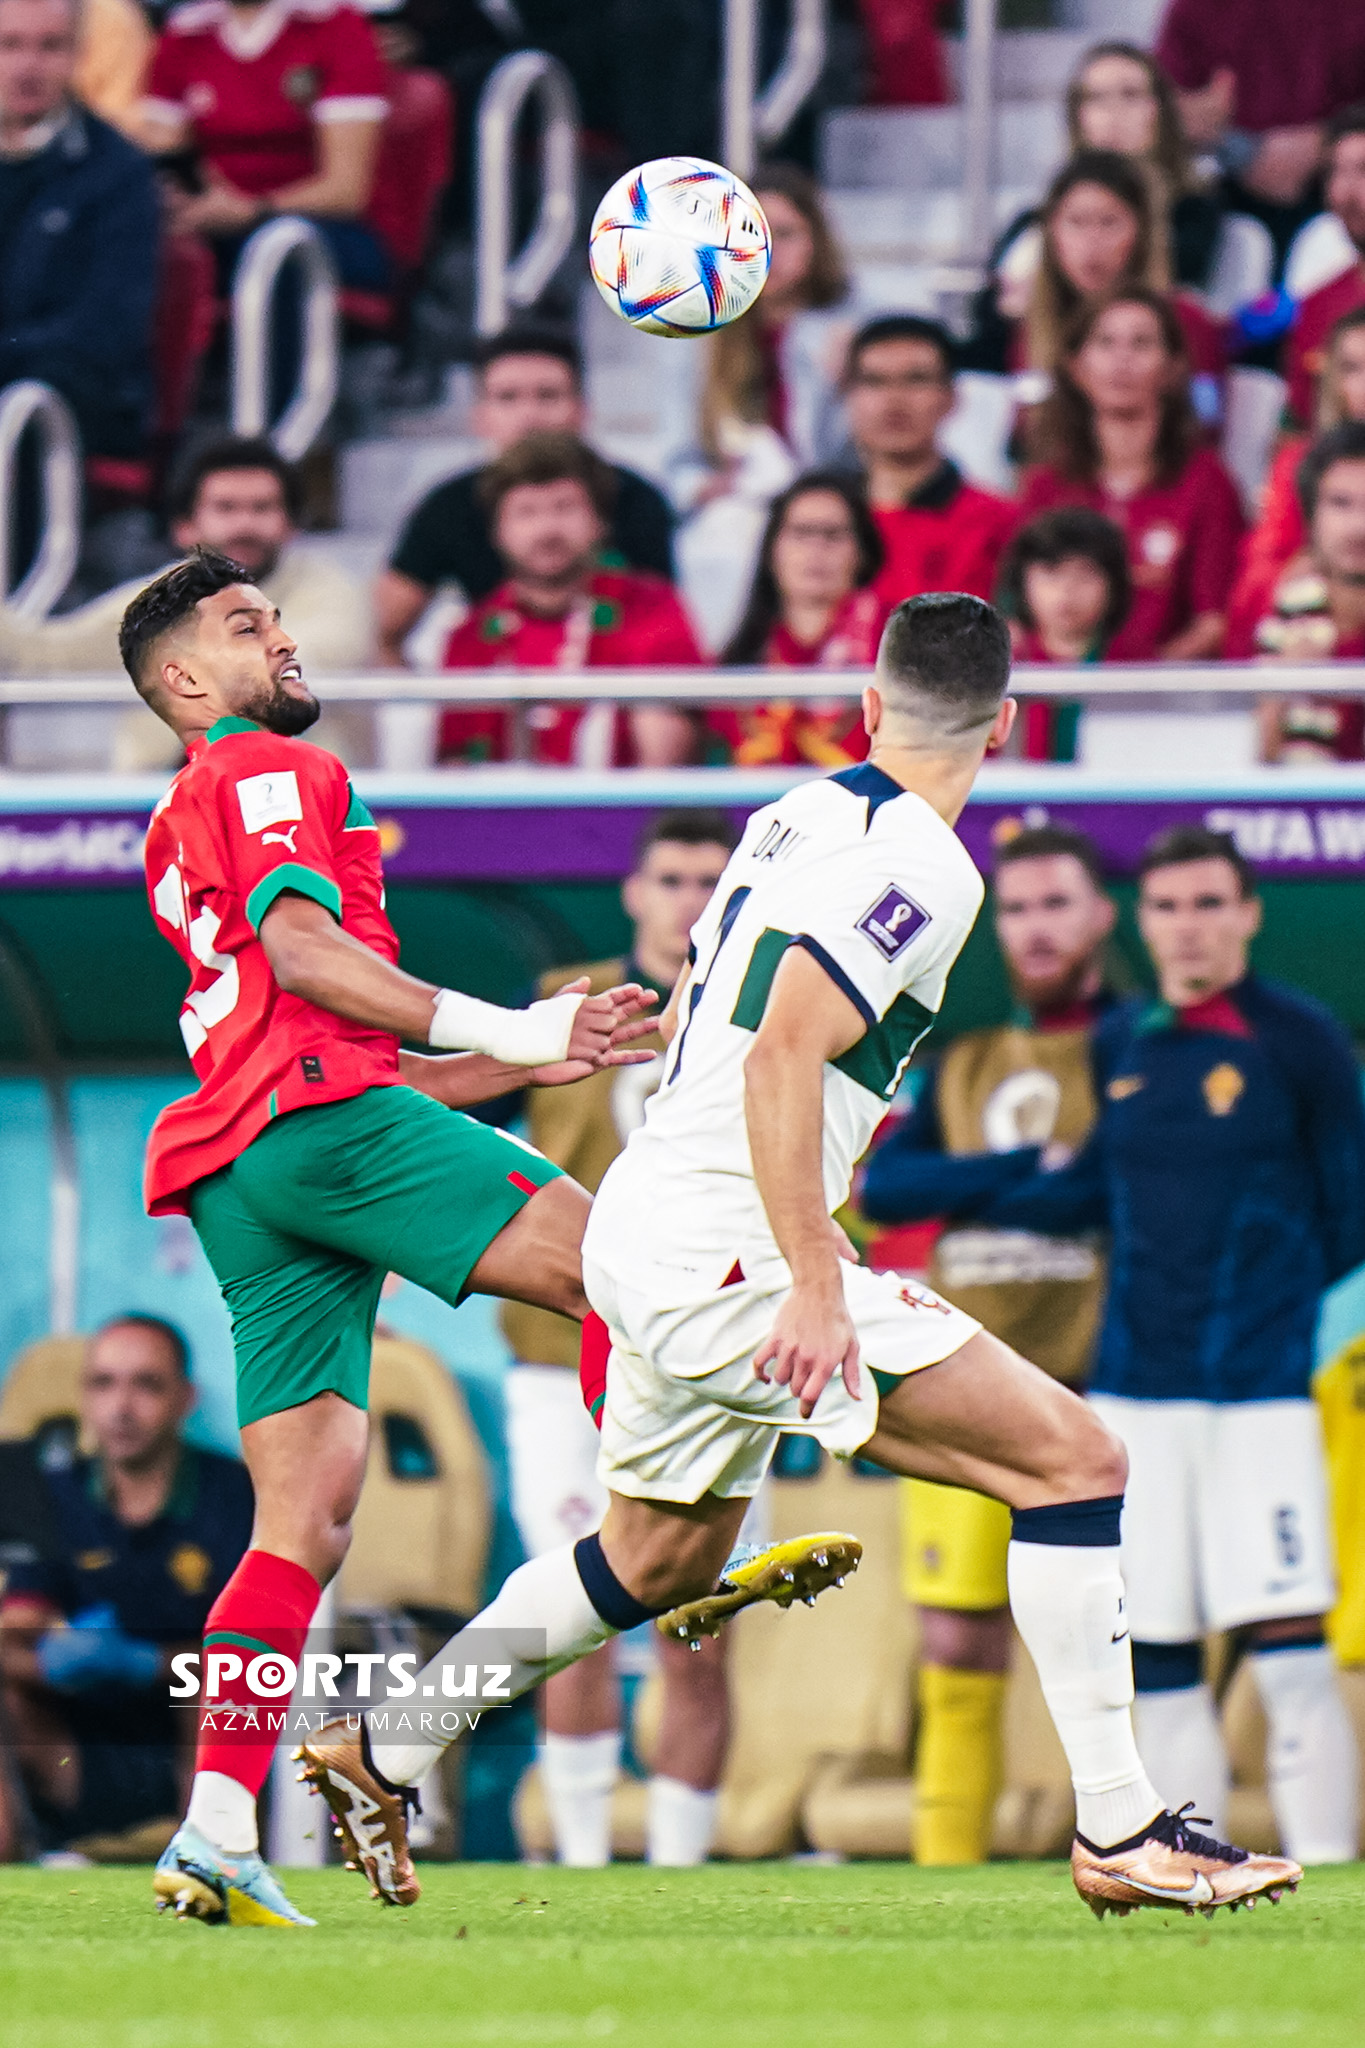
(265, 1607)
(594, 1350)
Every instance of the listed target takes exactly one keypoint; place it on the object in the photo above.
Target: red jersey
(253, 90)
(624, 619)
(1206, 345)
(1306, 349)
(249, 818)
(948, 535)
(826, 731)
(1280, 531)
(1183, 541)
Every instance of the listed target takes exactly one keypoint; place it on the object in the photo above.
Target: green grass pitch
(755, 1955)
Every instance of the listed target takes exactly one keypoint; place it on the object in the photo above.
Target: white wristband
(534, 1037)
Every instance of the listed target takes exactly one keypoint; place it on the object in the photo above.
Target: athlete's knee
(1098, 1462)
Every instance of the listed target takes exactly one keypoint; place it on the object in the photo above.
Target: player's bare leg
(985, 1418)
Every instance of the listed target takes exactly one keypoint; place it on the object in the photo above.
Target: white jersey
(869, 880)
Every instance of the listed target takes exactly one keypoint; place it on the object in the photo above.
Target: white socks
(1068, 1607)
(1311, 1758)
(224, 1813)
(579, 1773)
(1180, 1742)
(545, 1596)
(682, 1823)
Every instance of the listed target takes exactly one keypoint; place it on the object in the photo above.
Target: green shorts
(304, 1225)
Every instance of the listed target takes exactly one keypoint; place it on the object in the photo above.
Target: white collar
(37, 137)
(247, 37)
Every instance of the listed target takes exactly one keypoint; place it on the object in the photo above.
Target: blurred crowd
(809, 487)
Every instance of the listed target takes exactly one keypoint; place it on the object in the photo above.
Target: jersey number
(735, 903)
(206, 1006)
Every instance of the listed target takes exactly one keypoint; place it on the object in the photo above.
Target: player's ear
(873, 710)
(1002, 726)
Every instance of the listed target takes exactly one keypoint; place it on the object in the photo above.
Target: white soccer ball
(679, 246)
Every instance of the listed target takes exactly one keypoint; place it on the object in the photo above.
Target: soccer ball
(679, 246)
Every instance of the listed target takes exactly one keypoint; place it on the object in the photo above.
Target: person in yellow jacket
(994, 1101)
(552, 1442)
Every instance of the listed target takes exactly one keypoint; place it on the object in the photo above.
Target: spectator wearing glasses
(813, 605)
(548, 502)
(1119, 435)
(939, 531)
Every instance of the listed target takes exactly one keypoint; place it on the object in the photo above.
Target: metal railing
(31, 404)
(1168, 689)
(24, 992)
(978, 128)
(750, 118)
(504, 281)
(254, 290)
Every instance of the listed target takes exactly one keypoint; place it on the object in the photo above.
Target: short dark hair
(1059, 536)
(1179, 845)
(1346, 121)
(174, 1339)
(686, 828)
(1043, 842)
(528, 339)
(229, 452)
(548, 459)
(950, 655)
(903, 327)
(1345, 443)
(166, 602)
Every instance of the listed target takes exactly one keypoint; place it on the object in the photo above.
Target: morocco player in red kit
(315, 1155)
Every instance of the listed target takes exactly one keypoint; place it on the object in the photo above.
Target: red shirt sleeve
(282, 807)
(353, 83)
(1216, 530)
(1279, 533)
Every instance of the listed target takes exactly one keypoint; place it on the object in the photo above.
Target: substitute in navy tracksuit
(79, 238)
(1228, 1166)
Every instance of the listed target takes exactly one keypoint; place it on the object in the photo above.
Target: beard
(280, 711)
(1056, 989)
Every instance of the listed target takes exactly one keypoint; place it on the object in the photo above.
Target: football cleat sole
(798, 1568)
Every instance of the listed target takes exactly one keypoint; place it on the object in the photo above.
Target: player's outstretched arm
(311, 956)
(808, 1021)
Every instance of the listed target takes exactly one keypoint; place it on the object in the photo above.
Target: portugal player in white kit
(734, 1313)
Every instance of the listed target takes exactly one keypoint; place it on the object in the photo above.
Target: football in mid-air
(679, 246)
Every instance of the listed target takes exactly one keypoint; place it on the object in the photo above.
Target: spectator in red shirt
(548, 500)
(1314, 610)
(1119, 434)
(1101, 234)
(939, 532)
(1257, 79)
(1065, 589)
(1280, 532)
(281, 103)
(813, 605)
(1320, 311)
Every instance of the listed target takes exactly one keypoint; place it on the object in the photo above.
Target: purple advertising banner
(87, 846)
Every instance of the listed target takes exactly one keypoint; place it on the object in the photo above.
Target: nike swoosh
(1121, 1637)
(1199, 1892)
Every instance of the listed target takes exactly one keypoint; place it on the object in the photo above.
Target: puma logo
(281, 838)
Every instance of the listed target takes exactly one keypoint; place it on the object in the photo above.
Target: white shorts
(552, 1457)
(1226, 1515)
(684, 1414)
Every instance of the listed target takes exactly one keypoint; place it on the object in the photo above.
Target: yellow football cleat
(798, 1568)
(196, 1881)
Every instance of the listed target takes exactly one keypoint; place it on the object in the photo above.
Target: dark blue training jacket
(79, 242)
(1228, 1165)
